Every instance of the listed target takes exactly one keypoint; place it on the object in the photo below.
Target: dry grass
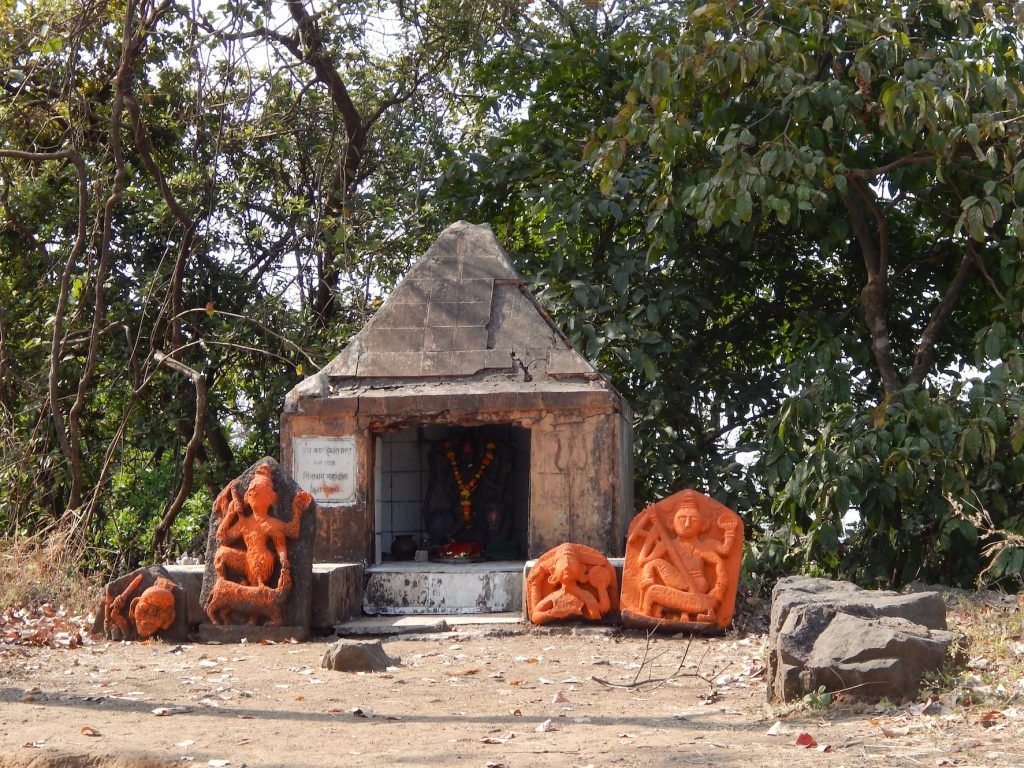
(43, 570)
(993, 626)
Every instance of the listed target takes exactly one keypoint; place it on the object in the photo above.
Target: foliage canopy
(790, 233)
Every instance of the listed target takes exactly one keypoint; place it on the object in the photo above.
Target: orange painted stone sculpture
(571, 580)
(682, 565)
(143, 604)
(260, 521)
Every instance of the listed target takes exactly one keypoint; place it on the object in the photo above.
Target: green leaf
(744, 206)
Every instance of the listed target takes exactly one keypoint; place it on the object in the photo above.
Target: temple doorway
(418, 474)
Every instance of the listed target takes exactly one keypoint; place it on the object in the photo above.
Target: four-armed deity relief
(143, 604)
(465, 513)
(569, 581)
(259, 551)
(682, 565)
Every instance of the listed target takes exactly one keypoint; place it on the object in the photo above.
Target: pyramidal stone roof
(461, 313)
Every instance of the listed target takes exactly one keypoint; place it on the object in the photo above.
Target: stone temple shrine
(458, 430)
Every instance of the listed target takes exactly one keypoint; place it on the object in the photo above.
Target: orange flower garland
(466, 489)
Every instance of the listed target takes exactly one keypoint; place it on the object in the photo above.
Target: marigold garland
(466, 489)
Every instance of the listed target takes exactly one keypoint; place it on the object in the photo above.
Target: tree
(698, 358)
(848, 120)
(187, 201)
(888, 136)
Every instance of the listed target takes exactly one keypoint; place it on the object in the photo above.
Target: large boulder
(868, 644)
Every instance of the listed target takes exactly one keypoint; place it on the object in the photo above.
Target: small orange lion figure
(571, 580)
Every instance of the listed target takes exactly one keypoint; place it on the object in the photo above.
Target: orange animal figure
(682, 564)
(149, 613)
(253, 549)
(571, 580)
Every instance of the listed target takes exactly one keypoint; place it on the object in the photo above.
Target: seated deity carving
(682, 565)
(571, 580)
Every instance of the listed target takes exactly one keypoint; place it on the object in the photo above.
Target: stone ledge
(337, 592)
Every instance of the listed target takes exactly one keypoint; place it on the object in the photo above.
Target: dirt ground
(512, 697)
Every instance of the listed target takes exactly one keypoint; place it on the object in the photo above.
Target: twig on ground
(651, 683)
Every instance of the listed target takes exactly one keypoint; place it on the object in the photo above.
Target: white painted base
(408, 588)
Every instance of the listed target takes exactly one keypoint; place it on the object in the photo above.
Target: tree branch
(189, 460)
(145, 148)
(924, 359)
(874, 295)
(65, 281)
(921, 158)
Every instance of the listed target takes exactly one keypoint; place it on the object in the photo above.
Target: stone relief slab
(682, 565)
(259, 552)
(571, 581)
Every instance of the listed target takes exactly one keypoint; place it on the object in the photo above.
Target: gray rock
(358, 656)
(870, 644)
(925, 608)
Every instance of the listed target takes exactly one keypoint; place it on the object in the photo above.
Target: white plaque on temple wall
(326, 467)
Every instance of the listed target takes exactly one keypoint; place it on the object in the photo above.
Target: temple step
(408, 588)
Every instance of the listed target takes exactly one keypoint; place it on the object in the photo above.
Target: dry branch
(647, 663)
(189, 460)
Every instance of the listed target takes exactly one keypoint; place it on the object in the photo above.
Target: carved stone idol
(259, 552)
(682, 565)
(464, 513)
(571, 580)
(143, 604)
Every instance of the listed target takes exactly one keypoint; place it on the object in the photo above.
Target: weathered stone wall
(573, 494)
(343, 533)
(577, 492)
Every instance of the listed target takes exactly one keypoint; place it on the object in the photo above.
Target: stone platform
(337, 590)
(409, 588)
(419, 624)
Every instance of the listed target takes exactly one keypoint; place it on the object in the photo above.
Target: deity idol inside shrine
(460, 424)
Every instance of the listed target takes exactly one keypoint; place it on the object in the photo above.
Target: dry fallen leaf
(805, 740)
(559, 698)
(894, 733)
(88, 730)
(777, 729)
(546, 726)
(990, 718)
